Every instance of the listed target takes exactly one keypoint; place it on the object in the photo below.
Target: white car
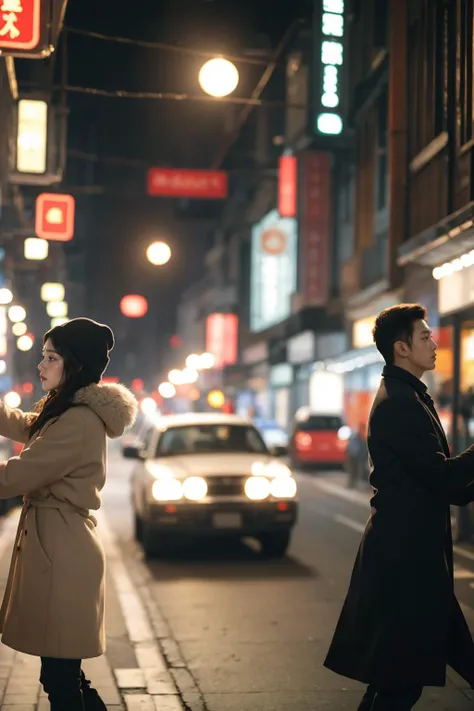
(210, 474)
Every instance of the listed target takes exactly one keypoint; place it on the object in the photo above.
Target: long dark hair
(74, 378)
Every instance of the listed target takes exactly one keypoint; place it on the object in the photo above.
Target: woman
(53, 605)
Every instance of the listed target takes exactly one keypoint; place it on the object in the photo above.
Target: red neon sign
(287, 186)
(55, 216)
(20, 24)
(203, 184)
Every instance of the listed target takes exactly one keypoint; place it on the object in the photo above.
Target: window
(320, 423)
(210, 439)
(381, 168)
(427, 73)
(466, 73)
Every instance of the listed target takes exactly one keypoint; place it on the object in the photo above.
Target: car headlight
(283, 487)
(195, 488)
(257, 488)
(277, 469)
(167, 490)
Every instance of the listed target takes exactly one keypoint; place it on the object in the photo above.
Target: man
(401, 623)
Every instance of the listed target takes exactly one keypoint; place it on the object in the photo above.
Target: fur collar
(116, 406)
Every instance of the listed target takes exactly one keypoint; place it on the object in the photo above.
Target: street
(217, 628)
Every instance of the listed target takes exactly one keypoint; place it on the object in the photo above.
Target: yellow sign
(362, 332)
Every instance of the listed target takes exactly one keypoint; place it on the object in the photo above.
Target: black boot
(62, 682)
(92, 700)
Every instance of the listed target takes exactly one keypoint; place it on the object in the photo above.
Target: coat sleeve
(49, 458)
(406, 429)
(14, 424)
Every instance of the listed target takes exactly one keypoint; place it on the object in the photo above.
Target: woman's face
(51, 368)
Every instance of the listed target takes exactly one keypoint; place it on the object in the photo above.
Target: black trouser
(390, 699)
(61, 680)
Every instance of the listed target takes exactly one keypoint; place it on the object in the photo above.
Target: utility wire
(166, 95)
(165, 47)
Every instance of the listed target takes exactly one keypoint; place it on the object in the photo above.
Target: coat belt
(48, 504)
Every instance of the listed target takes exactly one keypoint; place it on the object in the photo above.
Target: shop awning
(451, 237)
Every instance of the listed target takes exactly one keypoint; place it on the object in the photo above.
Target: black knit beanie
(88, 341)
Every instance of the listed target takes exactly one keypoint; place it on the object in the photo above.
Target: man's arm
(405, 427)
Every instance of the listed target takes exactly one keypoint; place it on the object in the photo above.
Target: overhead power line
(166, 96)
(164, 47)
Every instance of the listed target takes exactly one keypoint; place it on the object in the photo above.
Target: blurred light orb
(218, 77)
(6, 296)
(167, 390)
(176, 377)
(12, 399)
(16, 314)
(148, 406)
(193, 361)
(207, 360)
(19, 329)
(134, 306)
(158, 253)
(25, 343)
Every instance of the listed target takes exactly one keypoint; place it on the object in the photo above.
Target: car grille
(226, 485)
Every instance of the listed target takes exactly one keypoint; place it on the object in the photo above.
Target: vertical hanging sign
(331, 51)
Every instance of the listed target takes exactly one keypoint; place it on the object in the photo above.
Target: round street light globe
(158, 253)
(16, 314)
(218, 77)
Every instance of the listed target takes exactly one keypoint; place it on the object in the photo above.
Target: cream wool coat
(53, 604)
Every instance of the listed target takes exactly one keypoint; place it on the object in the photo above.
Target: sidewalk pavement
(131, 676)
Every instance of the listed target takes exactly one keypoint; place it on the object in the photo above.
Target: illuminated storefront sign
(328, 119)
(31, 152)
(273, 270)
(222, 334)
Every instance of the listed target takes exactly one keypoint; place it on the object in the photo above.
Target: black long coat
(401, 622)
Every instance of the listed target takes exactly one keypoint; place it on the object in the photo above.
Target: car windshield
(210, 439)
(319, 423)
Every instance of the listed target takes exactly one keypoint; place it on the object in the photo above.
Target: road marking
(350, 523)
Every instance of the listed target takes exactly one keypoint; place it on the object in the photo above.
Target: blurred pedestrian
(401, 624)
(357, 457)
(53, 605)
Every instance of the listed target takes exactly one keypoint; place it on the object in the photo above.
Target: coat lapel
(437, 425)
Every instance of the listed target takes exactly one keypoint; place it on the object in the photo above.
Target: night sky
(114, 226)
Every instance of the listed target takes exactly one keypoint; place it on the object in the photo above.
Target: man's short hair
(396, 324)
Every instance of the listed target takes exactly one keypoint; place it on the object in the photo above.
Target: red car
(318, 439)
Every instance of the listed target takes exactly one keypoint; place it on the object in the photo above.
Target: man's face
(420, 355)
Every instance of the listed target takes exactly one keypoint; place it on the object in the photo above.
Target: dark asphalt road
(251, 635)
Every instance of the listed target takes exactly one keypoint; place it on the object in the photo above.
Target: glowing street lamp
(193, 361)
(158, 253)
(218, 77)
